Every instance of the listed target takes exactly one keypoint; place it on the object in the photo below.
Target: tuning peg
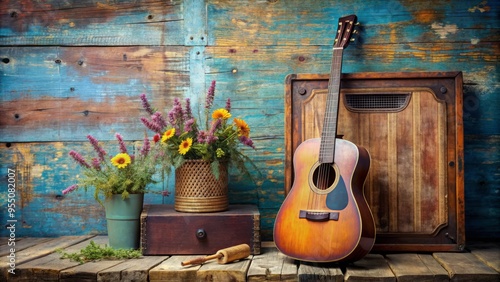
(357, 24)
(352, 39)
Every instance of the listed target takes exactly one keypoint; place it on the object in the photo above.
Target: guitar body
(332, 222)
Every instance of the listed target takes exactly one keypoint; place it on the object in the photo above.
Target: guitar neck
(327, 146)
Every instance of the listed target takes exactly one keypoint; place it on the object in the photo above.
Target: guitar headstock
(345, 31)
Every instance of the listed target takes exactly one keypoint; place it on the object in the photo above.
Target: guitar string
(323, 176)
(324, 170)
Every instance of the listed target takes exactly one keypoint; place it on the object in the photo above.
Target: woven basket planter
(197, 189)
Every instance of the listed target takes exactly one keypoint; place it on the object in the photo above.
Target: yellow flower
(243, 128)
(121, 160)
(168, 134)
(185, 146)
(221, 113)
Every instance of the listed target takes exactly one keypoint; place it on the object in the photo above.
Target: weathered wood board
(19, 244)
(68, 69)
(317, 272)
(488, 253)
(235, 271)
(85, 87)
(373, 266)
(172, 270)
(48, 267)
(90, 22)
(272, 265)
(466, 266)
(412, 267)
(131, 270)
(37, 251)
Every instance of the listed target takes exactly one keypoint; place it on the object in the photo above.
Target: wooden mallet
(223, 256)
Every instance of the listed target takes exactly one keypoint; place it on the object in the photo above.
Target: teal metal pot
(123, 218)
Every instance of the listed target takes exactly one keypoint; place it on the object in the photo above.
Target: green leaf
(215, 166)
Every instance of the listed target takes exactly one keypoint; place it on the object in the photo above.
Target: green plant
(182, 138)
(95, 252)
(122, 174)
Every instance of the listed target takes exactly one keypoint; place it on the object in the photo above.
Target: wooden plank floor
(36, 260)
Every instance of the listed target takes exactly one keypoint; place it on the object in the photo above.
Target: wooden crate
(165, 231)
(411, 124)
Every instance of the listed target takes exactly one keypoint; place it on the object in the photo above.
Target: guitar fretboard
(327, 146)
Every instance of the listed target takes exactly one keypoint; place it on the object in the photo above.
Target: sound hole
(324, 177)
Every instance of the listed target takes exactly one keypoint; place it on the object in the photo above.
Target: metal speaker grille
(377, 102)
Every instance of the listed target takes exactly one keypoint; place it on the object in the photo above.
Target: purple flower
(70, 189)
(159, 120)
(123, 147)
(171, 118)
(202, 136)
(188, 126)
(151, 125)
(175, 116)
(145, 147)
(100, 151)
(145, 104)
(210, 96)
(79, 159)
(247, 141)
(178, 108)
(165, 193)
(211, 133)
(96, 164)
(188, 113)
(215, 125)
(228, 104)
(211, 139)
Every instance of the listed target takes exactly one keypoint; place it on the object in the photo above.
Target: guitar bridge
(319, 215)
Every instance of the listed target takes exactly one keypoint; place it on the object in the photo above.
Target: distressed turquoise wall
(70, 68)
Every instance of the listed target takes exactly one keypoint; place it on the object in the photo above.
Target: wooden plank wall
(70, 68)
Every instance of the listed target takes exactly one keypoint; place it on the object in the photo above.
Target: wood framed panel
(411, 124)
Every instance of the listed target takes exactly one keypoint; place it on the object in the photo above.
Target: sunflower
(221, 113)
(243, 128)
(185, 146)
(168, 134)
(121, 160)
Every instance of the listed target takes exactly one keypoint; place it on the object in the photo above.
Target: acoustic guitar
(325, 216)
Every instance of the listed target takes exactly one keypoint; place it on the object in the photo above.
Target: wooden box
(411, 124)
(165, 231)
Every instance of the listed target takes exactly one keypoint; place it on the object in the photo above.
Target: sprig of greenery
(95, 252)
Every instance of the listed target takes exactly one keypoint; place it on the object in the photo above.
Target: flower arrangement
(123, 173)
(181, 138)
